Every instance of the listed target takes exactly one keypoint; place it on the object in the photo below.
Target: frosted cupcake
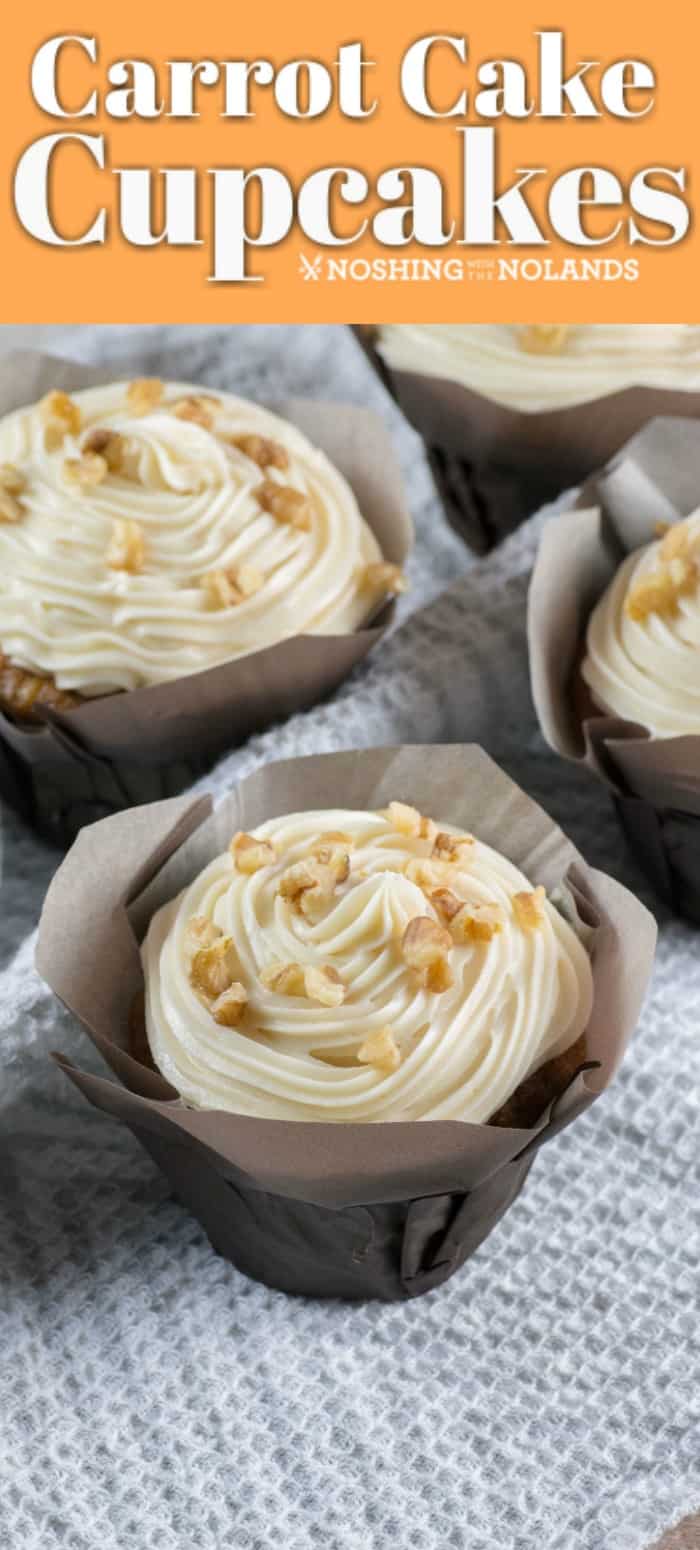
(539, 366)
(150, 531)
(642, 659)
(512, 414)
(360, 966)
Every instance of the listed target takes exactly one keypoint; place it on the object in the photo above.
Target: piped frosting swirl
(159, 532)
(375, 971)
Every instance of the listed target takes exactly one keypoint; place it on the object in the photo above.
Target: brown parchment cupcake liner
(495, 466)
(655, 782)
(333, 1210)
(123, 749)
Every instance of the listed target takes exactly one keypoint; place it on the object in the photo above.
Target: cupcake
(345, 1028)
(614, 631)
(170, 556)
(499, 405)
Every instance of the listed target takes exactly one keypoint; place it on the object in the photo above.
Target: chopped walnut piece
(126, 549)
(452, 847)
(107, 444)
(12, 480)
(200, 931)
(659, 592)
(528, 909)
(426, 874)
(226, 588)
(250, 854)
(228, 1008)
(676, 542)
(10, 508)
(309, 884)
(285, 979)
(85, 471)
(144, 394)
(380, 1050)
(213, 967)
(468, 922)
(543, 338)
(383, 577)
(285, 504)
(61, 418)
(333, 851)
(324, 985)
(426, 947)
(262, 450)
(198, 408)
(405, 819)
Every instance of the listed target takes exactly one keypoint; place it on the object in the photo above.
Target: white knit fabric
(547, 1396)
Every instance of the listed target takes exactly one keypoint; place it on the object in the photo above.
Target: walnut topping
(659, 592)
(85, 471)
(333, 851)
(676, 542)
(213, 967)
(144, 394)
(528, 909)
(324, 985)
(228, 1008)
(126, 549)
(452, 847)
(382, 576)
(12, 480)
(408, 820)
(285, 979)
(250, 854)
(468, 922)
(380, 1050)
(426, 874)
(11, 509)
(107, 444)
(226, 588)
(543, 338)
(201, 932)
(285, 504)
(199, 408)
(426, 947)
(262, 450)
(61, 418)
(309, 884)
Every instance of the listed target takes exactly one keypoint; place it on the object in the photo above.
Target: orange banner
(356, 163)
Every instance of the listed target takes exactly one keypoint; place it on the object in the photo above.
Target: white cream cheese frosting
(180, 505)
(564, 366)
(642, 657)
(516, 994)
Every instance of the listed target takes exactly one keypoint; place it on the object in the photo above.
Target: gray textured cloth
(547, 1396)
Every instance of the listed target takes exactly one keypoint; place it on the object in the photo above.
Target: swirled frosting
(642, 657)
(579, 363)
(516, 999)
(190, 496)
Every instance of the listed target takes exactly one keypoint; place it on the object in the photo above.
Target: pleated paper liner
(654, 782)
(384, 1210)
(124, 749)
(495, 466)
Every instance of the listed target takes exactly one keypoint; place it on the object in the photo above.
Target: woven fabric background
(549, 1394)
